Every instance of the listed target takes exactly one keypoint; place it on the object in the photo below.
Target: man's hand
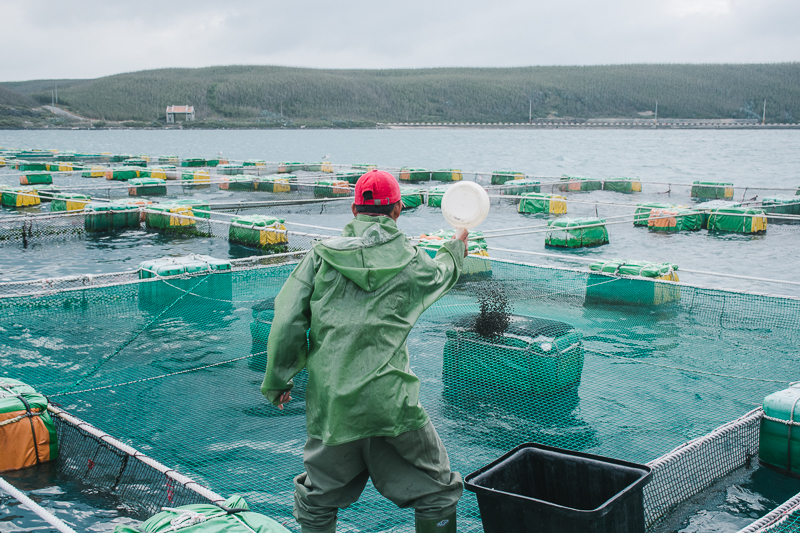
(463, 236)
(286, 397)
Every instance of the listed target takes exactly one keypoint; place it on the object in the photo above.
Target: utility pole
(56, 93)
(656, 119)
(530, 111)
(764, 116)
(53, 98)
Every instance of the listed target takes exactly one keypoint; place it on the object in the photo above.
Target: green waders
(411, 470)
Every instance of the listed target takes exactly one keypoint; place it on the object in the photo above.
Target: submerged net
(173, 367)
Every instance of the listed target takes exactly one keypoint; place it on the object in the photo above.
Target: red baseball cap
(377, 187)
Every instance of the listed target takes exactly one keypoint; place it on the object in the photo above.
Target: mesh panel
(173, 366)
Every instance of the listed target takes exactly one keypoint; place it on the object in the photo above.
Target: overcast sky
(44, 39)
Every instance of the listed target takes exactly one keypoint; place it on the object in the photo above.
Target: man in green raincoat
(358, 296)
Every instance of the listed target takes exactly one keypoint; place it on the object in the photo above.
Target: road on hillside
(60, 112)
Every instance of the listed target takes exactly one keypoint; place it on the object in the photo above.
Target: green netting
(173, 366)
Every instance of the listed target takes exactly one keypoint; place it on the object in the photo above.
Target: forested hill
(278, 94)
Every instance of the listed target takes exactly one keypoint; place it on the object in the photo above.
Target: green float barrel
(712, 190)
(101, 216)
(632, 283)
(147, 187)
(779, 436)
(259, 231)
(570, 233)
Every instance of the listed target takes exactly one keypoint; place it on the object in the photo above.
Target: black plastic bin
(541, 488)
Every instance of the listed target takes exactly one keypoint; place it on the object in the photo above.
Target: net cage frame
(677, 475)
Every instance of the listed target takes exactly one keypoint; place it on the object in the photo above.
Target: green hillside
(275, 94)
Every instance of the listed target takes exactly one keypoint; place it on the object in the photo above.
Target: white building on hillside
(179, 113)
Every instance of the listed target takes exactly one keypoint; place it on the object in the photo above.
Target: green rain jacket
(358, 296)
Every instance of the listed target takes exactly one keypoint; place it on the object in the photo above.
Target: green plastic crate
(568, 233)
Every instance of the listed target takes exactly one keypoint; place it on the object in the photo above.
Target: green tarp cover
(784, 205)
(168, 159)
(102, 216)
(642, 212)
(229, 169)
(435, 195)
(134, 163)
(707, 207)
(47, 192)
(31, 166)
(118, 158)
(39, 178)
(446, 174)
(634, 268)
(124, 174)
(685, 220)
(712, 189)
(172, 266)
(241, 183)
(735, 219)
(60, 200)
(499, 177)
(293, 166)
(622, 185)
(477, 243)
(194, 204)
(254, 163)
(216, 520)
(193, 162)
(9, 196)
(349, 177)
(139, 182)
(328, 189)
(411, 197)
(415, 174)
(517, 187)
(251, 236)
(534, 355)
(579, 183)
(11, 403)
(362, 167)
(534, 202)
(560, 235)
(779, 443)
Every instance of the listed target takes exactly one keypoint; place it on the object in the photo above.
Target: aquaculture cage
(69, 202)
(259, 231)
(449, 174)
(624, 282)
(712, 190)
(411, 197)
(435, 195)
(576, 232)
(238, 183)
(669, 220)
(273, 184)
(499, 177)
(579, 183)
(737, 220)
(147, 187)
(642, 213)
(414, 174)
(517, 187)
(36, 178)
(781, 205)
(533, 202)
(622, 185)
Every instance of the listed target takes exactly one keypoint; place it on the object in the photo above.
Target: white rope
(40, 511)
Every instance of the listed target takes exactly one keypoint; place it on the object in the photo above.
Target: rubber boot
(444, 525)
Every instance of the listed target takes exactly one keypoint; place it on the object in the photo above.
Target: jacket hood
(370, 252)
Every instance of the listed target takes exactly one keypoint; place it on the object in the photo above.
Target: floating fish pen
(435, 195)
(259, 231)
(576, 233)
(625, 185)
(147, 187)
(632, 283)
(36, 178)
(517, 187)
(332, 189)
(578, 183)
(712, 190)
(448, 174)
(122, 173)
(672, 220)
(414, 174)
(533, 202)
(273, 184)
(102, 217)
(411, 197)
(499, 177)
(781, 205)
(238, 183)
(69, 202)
(747, 220)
